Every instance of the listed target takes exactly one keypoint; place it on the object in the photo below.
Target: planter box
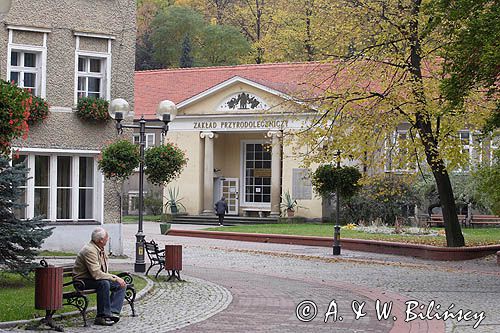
(164, 228)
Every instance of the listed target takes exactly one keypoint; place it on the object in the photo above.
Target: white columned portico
(208, 173)
(275, 172)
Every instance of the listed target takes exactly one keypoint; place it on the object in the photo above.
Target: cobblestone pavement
(168, 306)
(257, 287)
(268, 281)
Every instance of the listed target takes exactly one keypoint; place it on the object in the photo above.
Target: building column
(208, 173)
(275, 172)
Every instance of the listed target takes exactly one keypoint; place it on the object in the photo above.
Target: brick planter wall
(412, 250)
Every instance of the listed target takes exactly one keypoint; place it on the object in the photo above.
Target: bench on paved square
(477, 220)
(156, 256)
(78, 298)
(262, 212)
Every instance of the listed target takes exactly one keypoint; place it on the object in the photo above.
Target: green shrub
(119, 159)
(164, 163)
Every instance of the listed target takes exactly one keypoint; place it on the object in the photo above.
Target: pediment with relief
(243, 101)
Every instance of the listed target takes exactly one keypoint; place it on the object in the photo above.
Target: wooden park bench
(477, 220)
(78, 296)
(156, 256)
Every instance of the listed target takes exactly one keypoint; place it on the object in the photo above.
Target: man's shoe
(103, 321)
(115, 317)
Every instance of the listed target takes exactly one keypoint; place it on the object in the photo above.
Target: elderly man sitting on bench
(91, 267)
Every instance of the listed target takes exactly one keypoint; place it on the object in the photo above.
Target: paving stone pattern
(471, 285)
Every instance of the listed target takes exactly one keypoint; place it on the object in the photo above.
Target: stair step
(210, 220)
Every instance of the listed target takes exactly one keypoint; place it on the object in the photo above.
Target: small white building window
(27, 64)
(466, 149)
(398, 153)
(150, 140)
(91, 77)
(92, 70)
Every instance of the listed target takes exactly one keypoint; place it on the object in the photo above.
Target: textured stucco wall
(28, 38)
(64, 130)
(63, 18)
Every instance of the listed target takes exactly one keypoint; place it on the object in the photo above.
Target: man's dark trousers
(106, 303)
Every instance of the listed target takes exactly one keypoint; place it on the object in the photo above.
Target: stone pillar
(208, 173)
(275, 172)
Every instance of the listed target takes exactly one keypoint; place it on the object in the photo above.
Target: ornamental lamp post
(166, 112)
(336, 233)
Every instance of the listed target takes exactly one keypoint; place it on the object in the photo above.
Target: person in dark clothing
(221, 210)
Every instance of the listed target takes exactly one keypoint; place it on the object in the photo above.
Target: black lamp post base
(139, 268)
(336, 250)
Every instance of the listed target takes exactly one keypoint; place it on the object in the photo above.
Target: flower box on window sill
(93, 109)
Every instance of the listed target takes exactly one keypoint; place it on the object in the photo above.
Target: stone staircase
(228, 220)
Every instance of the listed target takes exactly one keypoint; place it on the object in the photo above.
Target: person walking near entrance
(221, 210)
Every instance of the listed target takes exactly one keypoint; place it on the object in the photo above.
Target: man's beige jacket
(92, 263)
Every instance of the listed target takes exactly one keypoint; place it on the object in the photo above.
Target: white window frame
(243, 201)
(391, 148)
(41, 51)
(98, 184)
(151, 135)
(467, 146)
(494, 142)
(105, 58)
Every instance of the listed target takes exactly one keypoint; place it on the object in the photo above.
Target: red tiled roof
(178, 85)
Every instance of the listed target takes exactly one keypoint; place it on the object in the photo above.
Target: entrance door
(230, 192)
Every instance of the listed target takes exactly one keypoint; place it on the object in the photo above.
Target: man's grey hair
(98, 234)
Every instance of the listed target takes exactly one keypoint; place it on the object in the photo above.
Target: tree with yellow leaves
(390, 79)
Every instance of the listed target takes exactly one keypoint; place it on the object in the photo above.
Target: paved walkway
(255, 287)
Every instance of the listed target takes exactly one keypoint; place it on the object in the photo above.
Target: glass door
(230, 192)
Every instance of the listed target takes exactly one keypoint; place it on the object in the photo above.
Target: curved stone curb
(376, 246)
(140, 294)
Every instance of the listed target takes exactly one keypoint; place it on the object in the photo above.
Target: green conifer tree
(186, 60)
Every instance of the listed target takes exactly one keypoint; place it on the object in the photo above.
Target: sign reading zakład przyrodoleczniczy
(250, 124)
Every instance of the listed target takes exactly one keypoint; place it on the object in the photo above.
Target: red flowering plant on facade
(164, 163)
(39, 110)
(15, 104)
(91, 108)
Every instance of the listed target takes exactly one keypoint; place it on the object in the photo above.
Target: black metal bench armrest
(77, 284)
(126, 277)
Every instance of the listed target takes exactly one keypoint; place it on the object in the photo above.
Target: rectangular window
(150, 140)
(26, 69)
(466, 149)
(42, 186)
(399, 155)
(91, 77)
(86, 188)
(21, 211)
(62, 187)
(257, 173)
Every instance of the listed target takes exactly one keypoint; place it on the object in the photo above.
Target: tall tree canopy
(209, 45)
(391, 76)
(472, 53)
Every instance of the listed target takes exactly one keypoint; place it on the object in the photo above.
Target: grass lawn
(135, 219)
(17, 297)
(473, 237)
(56, 254)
